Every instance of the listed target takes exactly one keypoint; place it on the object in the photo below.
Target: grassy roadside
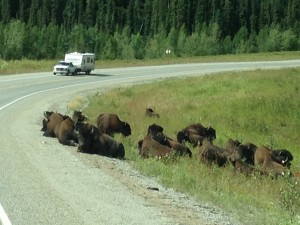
(31, 66)
(260, 106)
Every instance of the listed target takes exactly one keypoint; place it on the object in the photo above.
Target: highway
(43, 182)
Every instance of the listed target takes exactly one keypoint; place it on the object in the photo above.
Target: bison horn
(286, 160)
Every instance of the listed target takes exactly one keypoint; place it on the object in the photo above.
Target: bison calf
(150, 113)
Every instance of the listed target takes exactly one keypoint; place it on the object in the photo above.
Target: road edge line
(3, 217)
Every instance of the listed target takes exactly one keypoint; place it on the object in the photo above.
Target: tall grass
(260, 106)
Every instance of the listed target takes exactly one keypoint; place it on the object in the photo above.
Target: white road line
(3, 217)
(68, 86)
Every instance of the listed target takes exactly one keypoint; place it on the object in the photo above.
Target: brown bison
(51, 123)
(151, 148)
(261, 154)
(191, 137)
(63, 127)
(273, 168)
(283, 157)
(156, 133)
(44, 124)
(246, 152)
(92, 141)
(211, 154)
(200, 130)
(243, 167)
(232, 148)
(78, 116)
(110, 124)
(241, 151)
(66, 134)
(269, 164)
(150, 113)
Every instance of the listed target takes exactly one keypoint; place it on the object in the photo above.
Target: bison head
(211, 133)
(183, 136)
(47, 114)
(150, 112)
(154, 129)
(283, 157)
(79, 116)
(126, 130)
(86, 132)
(45, 123)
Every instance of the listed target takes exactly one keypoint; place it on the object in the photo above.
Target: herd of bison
(246, 158)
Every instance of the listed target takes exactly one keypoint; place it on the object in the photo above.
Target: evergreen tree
(254, 21)
(68, 15)
(181, 13)
(31, 48)
(110, 18)
(14, 36)
(22, 13)
(5, 11)
(33, 17)
(138, 46)
(77, 39)
(147, 30)
(155, 17)
(90, 13)
(289, 41)
(239, 25)
(135, 16)
(100, 22)
(1, 40)
(181, 50)
(63, 43)
(110, 49)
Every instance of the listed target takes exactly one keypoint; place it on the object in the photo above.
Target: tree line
(138, 29)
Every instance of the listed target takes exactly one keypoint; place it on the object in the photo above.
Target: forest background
(144, 29)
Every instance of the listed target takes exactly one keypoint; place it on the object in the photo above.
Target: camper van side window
(88, 60)
(92, 61)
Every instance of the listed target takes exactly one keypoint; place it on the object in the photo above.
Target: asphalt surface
(44, 182)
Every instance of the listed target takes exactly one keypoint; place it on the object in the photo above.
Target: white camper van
(84, 62)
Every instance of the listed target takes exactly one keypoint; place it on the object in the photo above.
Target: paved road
(42, 182)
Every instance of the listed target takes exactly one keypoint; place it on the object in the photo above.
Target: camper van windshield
(64, 63)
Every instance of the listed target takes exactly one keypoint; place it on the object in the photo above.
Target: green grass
(30, 66)
(260, 106)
